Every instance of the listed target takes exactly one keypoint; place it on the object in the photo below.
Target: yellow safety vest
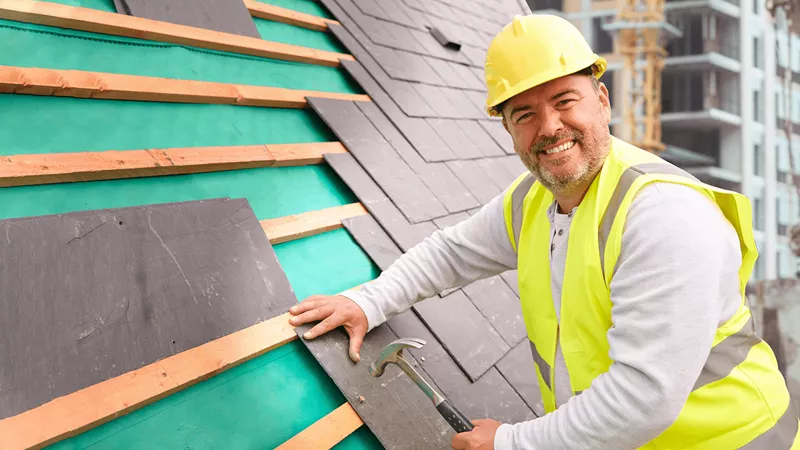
(739, 400)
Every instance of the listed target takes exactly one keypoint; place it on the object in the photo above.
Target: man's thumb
(356, 338)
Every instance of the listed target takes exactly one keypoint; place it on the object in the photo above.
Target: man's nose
(551, 123)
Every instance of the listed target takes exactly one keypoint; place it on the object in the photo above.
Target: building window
(756, 7)
(757, 106)
(758, 216)
(602, 39)
(758, 160)
(757, 52)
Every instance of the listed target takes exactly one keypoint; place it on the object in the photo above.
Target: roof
(376, 124)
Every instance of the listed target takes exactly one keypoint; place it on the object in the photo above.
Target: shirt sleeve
(475, 248)
(675, 283)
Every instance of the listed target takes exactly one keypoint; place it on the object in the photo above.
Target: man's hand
(480, 438)
(333, 311)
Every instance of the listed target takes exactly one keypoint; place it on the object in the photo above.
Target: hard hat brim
(598, 64)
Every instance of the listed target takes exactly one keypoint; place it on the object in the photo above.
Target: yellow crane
(641, 32)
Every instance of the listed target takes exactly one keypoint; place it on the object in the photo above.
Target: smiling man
(631, 274)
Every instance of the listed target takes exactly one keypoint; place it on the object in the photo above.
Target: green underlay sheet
(290, 34)
(102, 5)
(312, 7)
(39, 124)
(27, 45)
(261, 403)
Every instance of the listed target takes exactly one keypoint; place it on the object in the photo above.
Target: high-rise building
(723, 103)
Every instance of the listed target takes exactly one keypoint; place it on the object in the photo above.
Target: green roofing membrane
(41, 124)
(102, 5)
(29, 45)
(269, 399)
(290, 34)
(312, 7)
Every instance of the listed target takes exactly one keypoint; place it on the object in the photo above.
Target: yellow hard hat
(532, 50)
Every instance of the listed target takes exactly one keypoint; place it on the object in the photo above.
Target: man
(631, 274)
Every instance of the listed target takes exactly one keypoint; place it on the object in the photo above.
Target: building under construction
(723, 100)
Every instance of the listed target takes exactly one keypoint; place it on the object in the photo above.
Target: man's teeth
(560, 148)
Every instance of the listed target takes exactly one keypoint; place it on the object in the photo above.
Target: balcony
(729, 8)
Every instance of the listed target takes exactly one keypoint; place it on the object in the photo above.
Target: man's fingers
(309, 303)
(312, 315)
(321, 328)
(459, 441)
(356, 338)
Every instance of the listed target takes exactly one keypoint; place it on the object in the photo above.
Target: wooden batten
(111, 86)
(85, 19)
(287, 16)
(289, 228)
(95, 405)
(24, 170)
(327, 431)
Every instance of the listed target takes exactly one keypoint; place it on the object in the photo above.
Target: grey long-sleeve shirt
(676, 282)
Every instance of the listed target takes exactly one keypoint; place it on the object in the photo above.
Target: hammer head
(391, 353)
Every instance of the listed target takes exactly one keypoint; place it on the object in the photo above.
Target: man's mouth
(560, 148)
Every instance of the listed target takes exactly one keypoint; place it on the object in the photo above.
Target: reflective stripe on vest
(781, 436)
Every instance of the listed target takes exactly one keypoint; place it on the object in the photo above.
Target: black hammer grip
(454, 417)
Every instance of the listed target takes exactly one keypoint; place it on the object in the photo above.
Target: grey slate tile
(490, 396)
(377, 203)
(499, 134)
(498, 303)
(441, 181)
(478, 136)
(428, 42)
(476, 71)
(478, 98)
(90, 295)
(369, 7)
(464, 332)
(446, 73)
(511, 278)
(384, 411)
(465, 107)
(476, 180)
(455, 137)
(373, 240)
(470, 80)
(437, 100)
(424, 138)
(514, 165)
(397, 12)
(473, 211)
(380, 160)
(517, 367)
(497, 171)
(476, 56)
(452, 219)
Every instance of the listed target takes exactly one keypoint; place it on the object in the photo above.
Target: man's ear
(605, 100)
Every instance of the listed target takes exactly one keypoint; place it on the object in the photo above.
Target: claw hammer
(393, 354)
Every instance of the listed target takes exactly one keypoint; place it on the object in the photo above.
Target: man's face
(560, 131)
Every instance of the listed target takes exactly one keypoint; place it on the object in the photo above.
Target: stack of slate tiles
(424, 156)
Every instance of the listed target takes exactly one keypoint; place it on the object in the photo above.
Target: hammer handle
(458, 421)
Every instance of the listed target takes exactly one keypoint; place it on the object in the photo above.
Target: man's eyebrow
(565, 92)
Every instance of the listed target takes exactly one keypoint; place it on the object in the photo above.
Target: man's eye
(523, 117)
(565, 101)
